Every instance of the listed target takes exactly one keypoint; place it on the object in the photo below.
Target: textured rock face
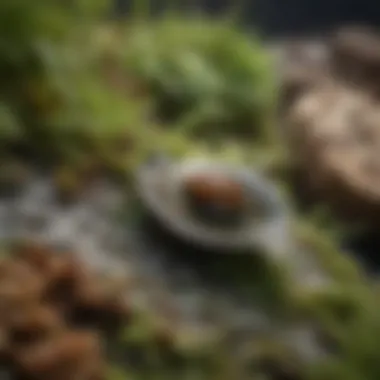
(351, 56)
(302, 65)
(355, 56)
(332, 124)
(335, 132)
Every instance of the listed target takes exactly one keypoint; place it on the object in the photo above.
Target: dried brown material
(101, 301)
(39, 290)
(75, 355)
(35, 324)
(215, 189)
(20, 286)
(335, 134)
(355, 55)
(62, 274)
(33, 253)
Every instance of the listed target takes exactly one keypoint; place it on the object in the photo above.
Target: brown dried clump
(46, 299)
(334, 131)
(216, 188)
(73, 355)
(216, 198)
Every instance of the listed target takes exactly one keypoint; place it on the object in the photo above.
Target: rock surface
(166, 285)
(333, 126)
(355, 57)
(335, 133)
(302, 64)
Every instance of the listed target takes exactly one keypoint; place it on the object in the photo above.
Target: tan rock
(302, 65)
(355, 57)
(334, 132)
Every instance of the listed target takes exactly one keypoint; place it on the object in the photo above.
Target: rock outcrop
(333, 127)
(355, 58)
(335, 132)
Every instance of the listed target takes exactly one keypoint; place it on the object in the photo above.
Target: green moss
(332, 369)
(115, 372)
(357, 357)
(203, 74)
(338, 265)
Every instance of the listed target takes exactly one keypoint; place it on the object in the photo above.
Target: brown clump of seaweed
(53, 311)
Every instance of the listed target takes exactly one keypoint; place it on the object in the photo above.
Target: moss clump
(358, 343)
(76, 84)
(338, 265)
(205, 76)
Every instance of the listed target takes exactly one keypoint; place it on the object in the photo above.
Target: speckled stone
(158, 284)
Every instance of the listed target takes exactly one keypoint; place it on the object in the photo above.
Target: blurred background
(277, 18)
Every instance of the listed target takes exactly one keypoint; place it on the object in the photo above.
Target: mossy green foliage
(356, 346)
(57, 90)
(332, 259)
(205, 75)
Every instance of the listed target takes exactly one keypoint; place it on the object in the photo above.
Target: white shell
(159, 187)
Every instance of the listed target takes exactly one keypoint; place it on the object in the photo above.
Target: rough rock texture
(355, 57)
(332, 124)
(301, 66)
(163, 281)
(334, 130)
